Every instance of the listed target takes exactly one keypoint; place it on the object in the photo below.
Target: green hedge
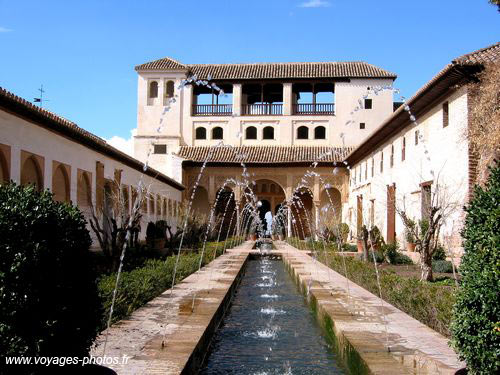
(476, 324)
(430, 304)
(139, 286)
(49, 304)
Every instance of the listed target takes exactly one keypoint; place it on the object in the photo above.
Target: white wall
(23, 135)
(447, 157)
(178, 126)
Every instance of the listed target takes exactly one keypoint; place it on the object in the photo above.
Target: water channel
(269, 329)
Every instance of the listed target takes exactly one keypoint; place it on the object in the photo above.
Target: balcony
(266, 109)
(212, 109)
(314, 109)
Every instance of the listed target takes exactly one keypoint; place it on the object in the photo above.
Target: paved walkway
(169, 316)
(359, 318)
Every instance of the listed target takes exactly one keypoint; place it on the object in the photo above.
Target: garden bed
(139, 285)
(429, 303)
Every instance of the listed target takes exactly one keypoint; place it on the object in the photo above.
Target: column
(316, 219)
(289, 222)
(237, 99)
(287, 99)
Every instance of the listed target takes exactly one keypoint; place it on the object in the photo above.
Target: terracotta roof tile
(481, 56)
(162, 64)
(53, 122)
(264, 154)
(344, 69)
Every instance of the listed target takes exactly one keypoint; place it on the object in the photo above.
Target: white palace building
(283, 118)
(370, 156)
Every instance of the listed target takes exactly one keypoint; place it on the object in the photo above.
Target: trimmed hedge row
(428, 303)
(139, 286)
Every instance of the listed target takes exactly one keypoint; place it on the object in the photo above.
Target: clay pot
(360, 246)
(410, 247)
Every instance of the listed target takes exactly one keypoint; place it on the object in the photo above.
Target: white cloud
(315, 4)
(122, 144)
(4, 30)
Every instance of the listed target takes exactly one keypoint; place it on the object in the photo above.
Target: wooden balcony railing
(212, 109)
(261, 109)
(314, 109)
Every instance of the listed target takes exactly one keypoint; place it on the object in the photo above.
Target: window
(319, 132)
(416, 137)
(368, 104)
(251, 132)
(372, 212)
(366, 170)
(392, 156)
(160, 149)
(403, 150)
(362, 125)
(373, 166)
(169, 89)
(153, 89)
(381, 161)
(201, 133)
(303, 132)
(268, 132)
(217, 133)
(445, 115)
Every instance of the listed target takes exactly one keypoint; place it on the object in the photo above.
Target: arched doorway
(224, 211)
(60, 184)
(84, 192)
(271, 195)
(302, 213)
(200, 203)
(31, 173)
(330, 208)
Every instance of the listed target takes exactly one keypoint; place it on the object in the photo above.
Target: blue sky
(84, 52)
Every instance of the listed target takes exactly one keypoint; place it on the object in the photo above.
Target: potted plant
(410, 237)
(156, 235)
(376, 238)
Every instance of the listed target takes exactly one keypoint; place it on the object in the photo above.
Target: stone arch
(302, 212)
(224, 210)
(84, 190)
(330, 207)
(201, 204)
(32, 172)
(61, 182)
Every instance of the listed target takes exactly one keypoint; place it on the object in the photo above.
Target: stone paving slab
(169, 317)
(358, 318)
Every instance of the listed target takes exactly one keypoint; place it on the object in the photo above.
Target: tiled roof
(58, 124)
(162, 64)
(264, 154)
(345, 69)
(482, 56)
(457, 72)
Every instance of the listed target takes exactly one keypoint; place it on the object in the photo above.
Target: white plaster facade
(440, 159)
(18, 135)
(175, 125)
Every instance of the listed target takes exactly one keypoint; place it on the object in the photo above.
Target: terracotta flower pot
(410, 247)
(360, 246)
